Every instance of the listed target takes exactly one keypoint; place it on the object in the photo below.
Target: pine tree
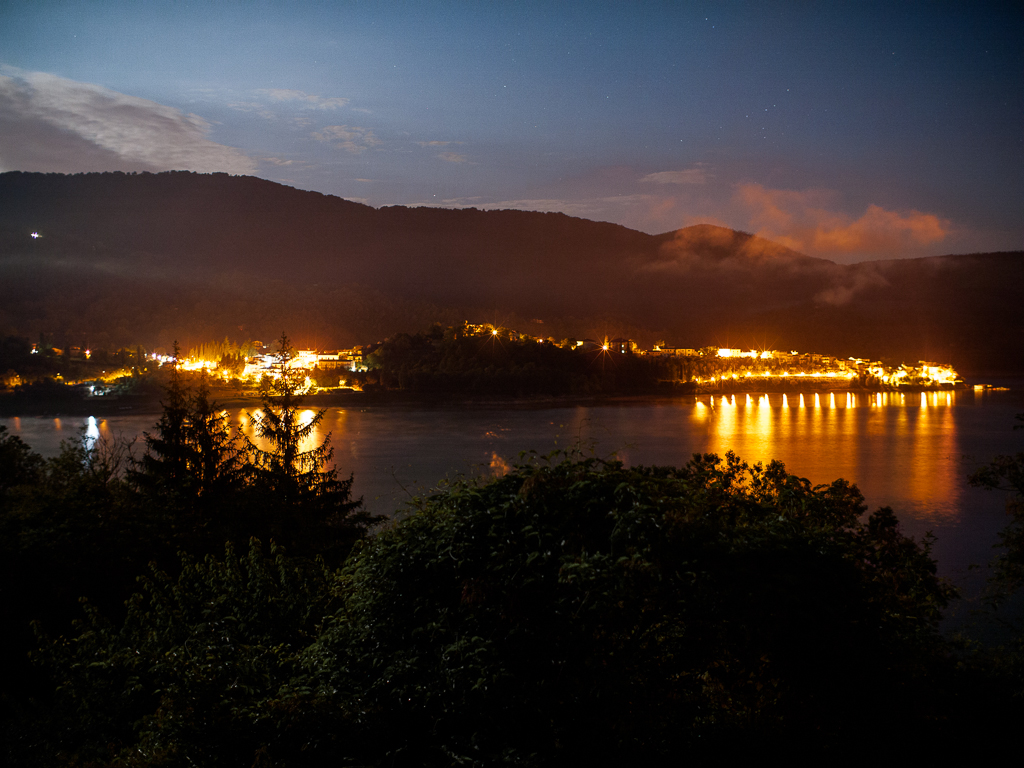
(216, 459)
(313, 506)
(193, 463)
(164, 468)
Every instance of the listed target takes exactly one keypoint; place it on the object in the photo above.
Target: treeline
(227, 353)
(449, 361)
(91, 520)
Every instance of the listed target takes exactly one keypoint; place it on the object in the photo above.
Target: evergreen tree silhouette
(313, 509)
(163, 469)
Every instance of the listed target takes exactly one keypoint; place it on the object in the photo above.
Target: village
(246, 368)
(707, 367)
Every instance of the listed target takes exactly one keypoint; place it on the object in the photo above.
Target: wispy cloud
(351, 138)
(695, 175)
(436, 143)
(53, 124)
(806, 221)
(453, 157)
(245, 106)
(253, 107)
(310, 100)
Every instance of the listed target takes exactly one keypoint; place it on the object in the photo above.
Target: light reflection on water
(854, 436)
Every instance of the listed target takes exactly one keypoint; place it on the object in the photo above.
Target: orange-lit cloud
(805, 221)
(351, 138)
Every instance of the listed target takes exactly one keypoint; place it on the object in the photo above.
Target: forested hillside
(125, 259)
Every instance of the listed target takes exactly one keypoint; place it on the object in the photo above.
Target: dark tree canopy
(583, 610)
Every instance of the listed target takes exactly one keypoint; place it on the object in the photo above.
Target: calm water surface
(910, 452)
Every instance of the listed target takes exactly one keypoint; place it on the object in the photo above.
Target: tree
(1006, 473)
(217, 459)
(588, 613)
(19, 465)
(1004, 665)
(204, 669)
(312, 508)
(192, 462)
(164, 467)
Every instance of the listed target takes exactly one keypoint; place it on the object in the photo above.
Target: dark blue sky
(848, 131)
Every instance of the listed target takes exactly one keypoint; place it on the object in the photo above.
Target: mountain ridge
(194, 256)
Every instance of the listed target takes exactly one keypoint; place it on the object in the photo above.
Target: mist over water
(912, 452)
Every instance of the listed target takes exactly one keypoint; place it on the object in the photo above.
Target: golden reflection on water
(247, 427)
(910, 444)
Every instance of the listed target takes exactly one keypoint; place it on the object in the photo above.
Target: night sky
(847, 131)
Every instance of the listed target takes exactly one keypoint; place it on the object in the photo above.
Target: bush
(197, 673)
(580, 611)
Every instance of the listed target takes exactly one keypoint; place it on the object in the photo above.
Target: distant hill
(147, 258)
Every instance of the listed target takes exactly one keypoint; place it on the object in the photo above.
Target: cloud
(253, 106)
(436, 143)
(306, 99)
(52, 124)
(846, 285)
(351, 138)
(709, 248)
(806, 221)
(697, 175)
(453, 157)
(724, 257)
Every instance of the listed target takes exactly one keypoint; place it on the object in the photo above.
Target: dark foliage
(1006, 474)
(204, 669)
(503, 365)
(1006, 597)
(584, 612)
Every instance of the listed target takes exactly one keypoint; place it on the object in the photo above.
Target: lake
(912, 452)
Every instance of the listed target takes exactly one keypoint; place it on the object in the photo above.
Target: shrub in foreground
(580, 610)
